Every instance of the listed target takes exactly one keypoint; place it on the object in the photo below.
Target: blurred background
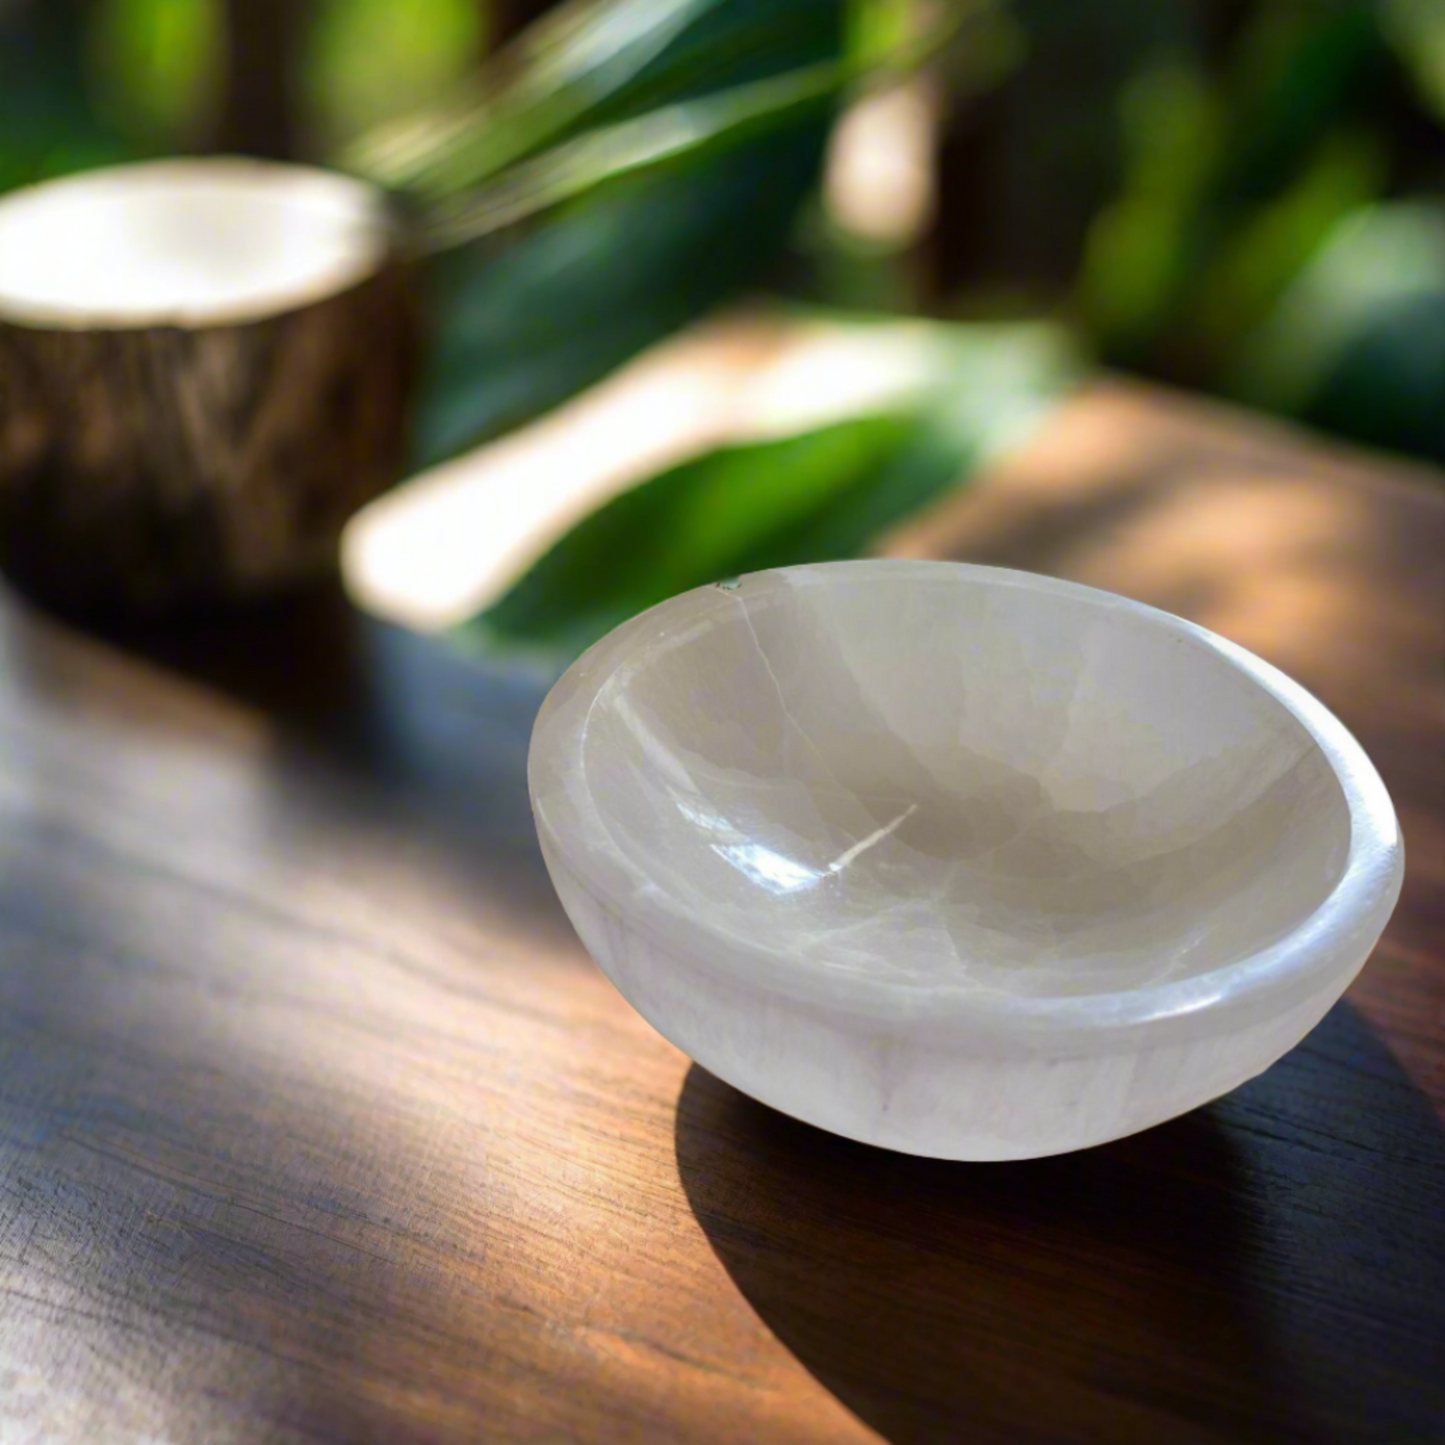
(935, 221)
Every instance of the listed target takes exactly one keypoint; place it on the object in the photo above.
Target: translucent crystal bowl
(959, 861)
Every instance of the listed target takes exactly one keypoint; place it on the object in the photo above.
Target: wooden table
(316, 1123)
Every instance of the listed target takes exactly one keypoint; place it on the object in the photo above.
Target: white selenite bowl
(959, 861)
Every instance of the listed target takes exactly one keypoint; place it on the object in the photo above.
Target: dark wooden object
(258, 92)
(316, 1124)
(153, 467)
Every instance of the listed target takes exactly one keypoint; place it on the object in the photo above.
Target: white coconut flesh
(190, 243)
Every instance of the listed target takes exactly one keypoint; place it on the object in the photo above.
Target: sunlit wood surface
(316, 1124)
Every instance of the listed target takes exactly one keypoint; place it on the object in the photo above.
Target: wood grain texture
(317, 1125)
(154, 467)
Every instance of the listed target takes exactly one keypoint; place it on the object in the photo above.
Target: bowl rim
(1326, 948)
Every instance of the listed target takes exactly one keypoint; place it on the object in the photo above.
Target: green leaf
(691, 132)
(154, 64)
(518, 329)
(1262, 256)
(569, 64)
(694, 523)
(1416, 30)
(371, 61)
(687, 133)
(823, 494)
(632, 234)
(50, 124)
(1142, 246)
(1357, 345)
(517, 332)
(588, 64)
(1231, 184)
(1299, 69)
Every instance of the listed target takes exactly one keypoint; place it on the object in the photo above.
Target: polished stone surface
(960, 861)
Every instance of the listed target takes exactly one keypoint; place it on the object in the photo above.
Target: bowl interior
(947, 773)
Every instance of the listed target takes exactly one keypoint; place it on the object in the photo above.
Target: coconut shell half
(205, 369)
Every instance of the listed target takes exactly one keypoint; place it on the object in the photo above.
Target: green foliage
(1255, 248)
(644, 246)
(519, 330)
(1416, 30)
(154, 63)
(705, 519)
(1298, 73)
(372, 60)
(695, 132)
(49, 124)
(822, 494)
(1232, 181)
(1041, 137)
(587, 64)
(630, 163)
(1140, 249)
(1356, 344)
